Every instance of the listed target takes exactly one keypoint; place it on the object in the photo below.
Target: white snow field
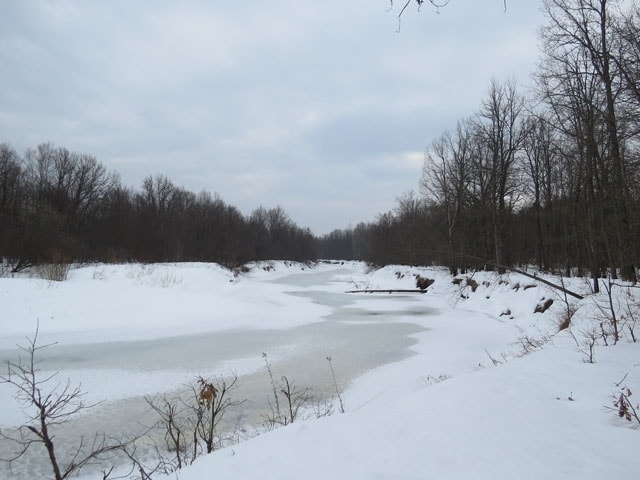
(435, 385)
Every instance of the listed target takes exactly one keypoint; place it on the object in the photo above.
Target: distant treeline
(62, 206)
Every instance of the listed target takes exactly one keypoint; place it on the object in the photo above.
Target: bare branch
(437, 4)
(50, 407)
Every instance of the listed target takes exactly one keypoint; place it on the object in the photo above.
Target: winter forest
(549, 176)
(545, 175)
(485, 326)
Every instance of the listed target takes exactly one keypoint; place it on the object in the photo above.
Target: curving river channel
(356, 337)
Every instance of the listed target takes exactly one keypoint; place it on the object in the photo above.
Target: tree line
(550, 177)
(62, 206)
(547, 177)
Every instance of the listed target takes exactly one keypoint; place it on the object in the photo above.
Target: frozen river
(357, 335)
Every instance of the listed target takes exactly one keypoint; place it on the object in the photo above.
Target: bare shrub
(5, 269)
(432, 380)
(152, 276)
(47, 408)
(564, 323)
(564, 318)
(54, 272)
(622, 404)
(619, 311)
(587, 343)
(213, 400)
(322, 409)
(625, 408)
(529, 343)
(360, 285)
(300, 401)
(629, 317)
(175, 431)
(191, 424)
(294, 400)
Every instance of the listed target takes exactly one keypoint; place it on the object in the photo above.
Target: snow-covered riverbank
(435, 385)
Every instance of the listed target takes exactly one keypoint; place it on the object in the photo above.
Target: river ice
(356, 333)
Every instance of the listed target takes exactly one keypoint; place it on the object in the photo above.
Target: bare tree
(10, 181)
(65, 192)
(11, 204)
(586, 29)
(501, 129)
(410, 219)
(541, 154)
(445, 179)
(627, 55)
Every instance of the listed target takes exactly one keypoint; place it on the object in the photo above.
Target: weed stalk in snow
(335, 384)
(623, 405)
(273, 383)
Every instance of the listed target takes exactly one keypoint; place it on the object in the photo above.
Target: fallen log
(538, 279)
(547, 282)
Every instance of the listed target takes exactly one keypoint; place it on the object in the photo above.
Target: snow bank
(104, 303)
(467, 404)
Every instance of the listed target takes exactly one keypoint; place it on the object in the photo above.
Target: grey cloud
(314, 107)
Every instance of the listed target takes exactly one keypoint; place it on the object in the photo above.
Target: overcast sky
(323, 108)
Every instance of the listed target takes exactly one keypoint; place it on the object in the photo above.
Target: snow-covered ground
(435, 385)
